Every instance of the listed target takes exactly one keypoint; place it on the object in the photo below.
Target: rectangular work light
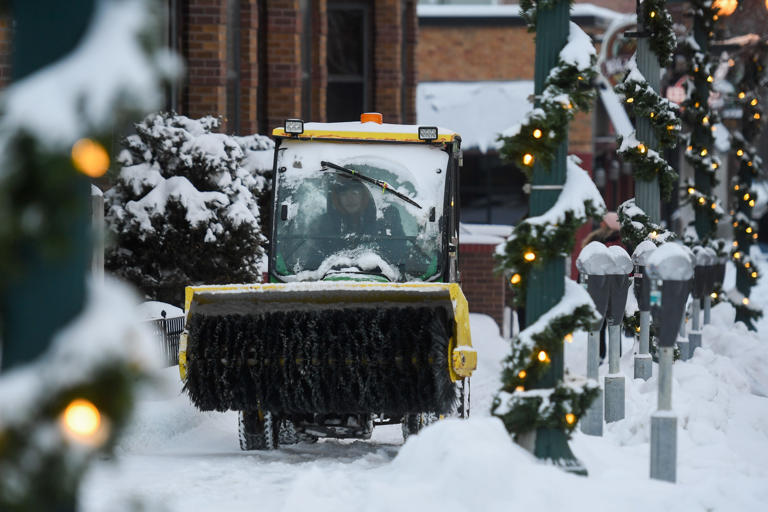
(294, 126)
(427, 132)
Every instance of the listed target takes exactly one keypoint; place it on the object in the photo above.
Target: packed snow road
(174, 458)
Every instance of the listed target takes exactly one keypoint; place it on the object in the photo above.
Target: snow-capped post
(618, 280)
(537, 402)
(594, 263)
(656, 121)
(97, 227)
(671, 269)
(701, 289)
(754, 68)
(642, 289)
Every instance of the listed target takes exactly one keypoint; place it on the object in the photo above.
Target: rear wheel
(258, 431)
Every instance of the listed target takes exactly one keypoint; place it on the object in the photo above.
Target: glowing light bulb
(654, 234)
(568, 338)
(652, 14)
(735, 243)
(739, 152)
(641, 147)
(735, 224)
(735, 187)
(714, 165)
(519, 388)
(713, 206)
(536, 133)
(522, 374)
(710, 79)
(713, 295)
(742, 94)
(747, 264)
(745, 301)
(81, 421)
(670, 127)
(528, 159)
(705, 120)
(570, 418)
(757, 115)
(515, 279)
(753, 102)
(702, 200)
(754, 236)
(90, 158)
(749, 230)
(543, 356)
(653, 114)
(529, 256)
(737, 255)
(754, 275)
(630, 100)
(691, 190)
(746, 196)
(703, 152)
(752, 203)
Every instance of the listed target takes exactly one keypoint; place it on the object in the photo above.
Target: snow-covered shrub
(184, 209)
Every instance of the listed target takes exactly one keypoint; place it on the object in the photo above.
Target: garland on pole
(750, 165)
(654, 16)
(636, 226)
(701, 121)
(67, 407)
(550, 235)
(568, 89)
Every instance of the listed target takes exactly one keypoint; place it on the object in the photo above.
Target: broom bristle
(387, 358)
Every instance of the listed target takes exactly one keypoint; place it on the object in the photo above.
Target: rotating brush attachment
(388, 358)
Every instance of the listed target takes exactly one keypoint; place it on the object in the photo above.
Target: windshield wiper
(381, 183)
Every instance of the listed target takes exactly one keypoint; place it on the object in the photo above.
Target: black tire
(413, 423)
(258, 431)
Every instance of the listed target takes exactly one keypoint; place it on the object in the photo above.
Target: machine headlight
(427, 132)
(294, 126)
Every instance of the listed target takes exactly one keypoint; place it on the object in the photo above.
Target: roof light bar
(428, 132)
(294, 126)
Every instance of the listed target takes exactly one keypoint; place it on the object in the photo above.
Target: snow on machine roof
(367, 131)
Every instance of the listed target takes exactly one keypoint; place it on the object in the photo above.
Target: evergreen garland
(655, 18)
(636, 226)
(539, 239)
(568, 89)
(750, 165)
(529, 9)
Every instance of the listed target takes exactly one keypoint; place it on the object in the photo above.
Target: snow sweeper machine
(362, 322)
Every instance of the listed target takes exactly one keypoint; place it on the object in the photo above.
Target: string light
(515, 279)
(741, 95)
(653, 14)
(630, 100)
(529, 256)
(702, 200)
(714, 165)
(710, 79)
(752, 203)
(735, 224)
(735, 187)
(653, 114)
(536, 133)
(749, 230)
(735, 243)
(81, 422)
(519, 388)
(691, 190)
(641, 147)
(703, 152)
(754, 275)
(570, 418)
(746, 196)
(696, 105)
(747, 264)
(670, 127)
(528, 159)
(705, 120)
(90, 158)
(713, 206)
(522, 374)
(737, 255)
(754, 236)
(713, 295)
(569, 338)
(543, 356)
(757, 115)
(739, 152)
(745, 301)
(654, 234)
(753, 102)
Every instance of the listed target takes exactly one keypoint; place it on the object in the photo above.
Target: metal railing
(168, 331)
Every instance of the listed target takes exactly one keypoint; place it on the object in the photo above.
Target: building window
(348, 61)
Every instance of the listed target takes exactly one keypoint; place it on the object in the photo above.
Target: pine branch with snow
(184, 209)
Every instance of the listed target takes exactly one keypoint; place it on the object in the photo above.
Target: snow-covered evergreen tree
(184, 209)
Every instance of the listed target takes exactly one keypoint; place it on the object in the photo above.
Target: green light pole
(47, 288)
(547, 281)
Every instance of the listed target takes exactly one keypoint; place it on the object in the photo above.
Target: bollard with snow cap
(642, 289)
(700, 290)
(671, 266)
(618, 281)
(594, 263)
(683, 343)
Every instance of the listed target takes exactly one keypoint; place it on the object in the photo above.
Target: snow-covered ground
(174, 458)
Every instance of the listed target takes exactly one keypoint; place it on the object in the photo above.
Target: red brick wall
(411, 27)
(319, 56)
(5, 51)
(284, 62)
(249, 66)
(206, 34)
(482, 287)
(387, 59)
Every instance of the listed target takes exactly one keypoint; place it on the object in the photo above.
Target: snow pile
(671, 261)
(622, 261)
(642, 252)
(596, 259)
(153, 310)
(70, 98)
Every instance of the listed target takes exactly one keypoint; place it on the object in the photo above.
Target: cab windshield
(351, 209)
